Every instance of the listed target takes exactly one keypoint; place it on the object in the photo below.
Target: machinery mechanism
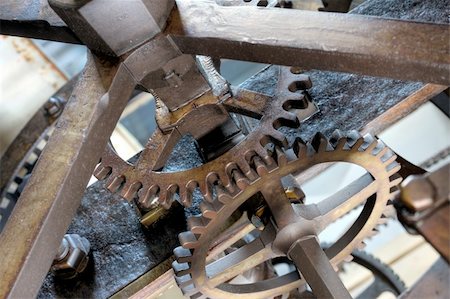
(254, 218)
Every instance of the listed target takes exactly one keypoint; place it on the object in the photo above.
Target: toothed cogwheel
(225, 241)
(145, 179)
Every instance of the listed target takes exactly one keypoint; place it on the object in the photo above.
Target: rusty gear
(145, 179)
(203, 270)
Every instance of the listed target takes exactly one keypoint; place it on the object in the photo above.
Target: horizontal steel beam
(351, 43)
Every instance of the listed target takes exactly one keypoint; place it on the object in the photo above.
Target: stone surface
(121, 249)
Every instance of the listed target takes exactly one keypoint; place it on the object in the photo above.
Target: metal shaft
(314, 265)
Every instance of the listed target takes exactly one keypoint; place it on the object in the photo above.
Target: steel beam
(313, 263)
(40, 219)
(34, 19)
(351, 43)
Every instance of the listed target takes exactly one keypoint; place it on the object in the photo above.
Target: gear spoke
(314, 265)
(248, 103)
(279, 204)
(344, 201)
(295, 234)
(158, 149)
(233, 234)
(241, 260)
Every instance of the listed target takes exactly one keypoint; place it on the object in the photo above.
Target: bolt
(54, 106)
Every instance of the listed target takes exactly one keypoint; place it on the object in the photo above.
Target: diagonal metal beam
(351, 43)
(31, 237)
(34, 19)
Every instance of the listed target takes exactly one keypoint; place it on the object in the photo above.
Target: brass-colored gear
(149, 183)
(204, 268)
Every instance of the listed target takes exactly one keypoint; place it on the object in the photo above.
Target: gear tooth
(163, 198)
(114, 183)
(261, 151)
(278, 138)
(390, 212)
(260, 166)
(335, 137)
(358, 144)
(280, 156)
(208, 192)
(389, 159)
(383, 150)
(181, 269)
(368, 140)
(370, 143)
(240, 179)
(210, 209)
(361, 246)
(204, 188)
(376, 147)
(189, 290)
(129, 191)
(197, 224)
(299, 148)
(185, 196)
(188, 240)
(182, 255)
(184, 281)
(395, 180)
(393, 168)
(352, 137)
(320, 143)
(289, 119)
(223, 195)
(148, 196)
(348, 258)
(102, 172)
(383, 220)
(224, 179)
(245, 168)
(372, 233)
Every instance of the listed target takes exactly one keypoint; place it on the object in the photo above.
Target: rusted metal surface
(349, 43)
(425, 200)
(323, 280)
(397, 49)
(199, 272)
(97, 27)
(69, 157)
(35, 19)
(149, 184)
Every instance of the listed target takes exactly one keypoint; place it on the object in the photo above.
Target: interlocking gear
(145, 178)
(226, 240)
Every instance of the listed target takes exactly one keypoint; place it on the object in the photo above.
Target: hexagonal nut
(72, 257)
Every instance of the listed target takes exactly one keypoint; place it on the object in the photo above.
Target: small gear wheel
(145, 180)
(232, 235)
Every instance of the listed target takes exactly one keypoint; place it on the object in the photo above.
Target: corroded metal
(425, 206)
(397, 49)
(202, 270)
(145, 179)
(69, 157)
(349, 43)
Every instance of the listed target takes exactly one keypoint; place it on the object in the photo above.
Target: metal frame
(349, 43)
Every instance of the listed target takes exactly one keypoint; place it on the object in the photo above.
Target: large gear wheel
(145, 179)
(204, 269)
